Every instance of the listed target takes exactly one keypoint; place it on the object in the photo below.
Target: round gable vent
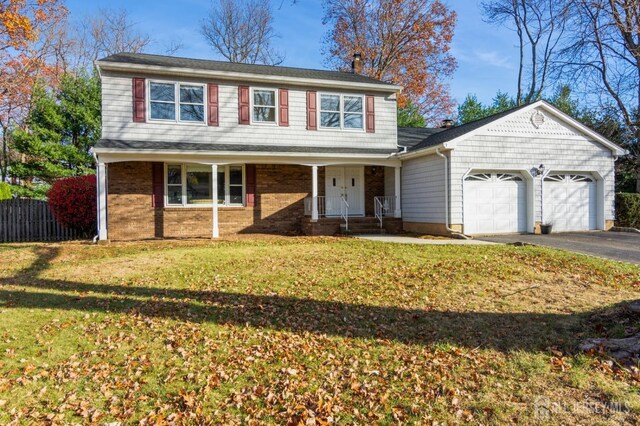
(537, 119)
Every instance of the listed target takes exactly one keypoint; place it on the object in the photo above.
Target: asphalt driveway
(624, 246)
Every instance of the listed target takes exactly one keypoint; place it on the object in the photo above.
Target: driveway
(624, 246)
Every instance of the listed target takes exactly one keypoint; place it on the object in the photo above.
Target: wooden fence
(30, 220)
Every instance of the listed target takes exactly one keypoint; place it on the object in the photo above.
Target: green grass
(289, 330)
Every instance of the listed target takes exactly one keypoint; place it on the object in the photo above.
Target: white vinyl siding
(516, 145)
(423, 190)
(117, 121)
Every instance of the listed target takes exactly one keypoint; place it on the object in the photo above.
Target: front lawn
(311, 331)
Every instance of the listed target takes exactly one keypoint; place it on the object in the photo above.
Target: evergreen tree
(409, 116)
(61, 128)
(472, 109)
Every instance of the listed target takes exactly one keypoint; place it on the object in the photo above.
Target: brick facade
(279, 204)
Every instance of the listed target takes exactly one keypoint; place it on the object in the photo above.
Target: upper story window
(176, 102)
(264, 106)
(341, 111)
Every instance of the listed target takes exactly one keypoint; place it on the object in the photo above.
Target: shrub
(73, 203)
(5, 191)
(628, 209)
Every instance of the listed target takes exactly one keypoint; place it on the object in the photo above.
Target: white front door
(570, 202)
(347, 182)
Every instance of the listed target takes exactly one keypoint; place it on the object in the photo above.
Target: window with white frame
(190, 185)
(264, 105)
(176, 102)
(341, 111)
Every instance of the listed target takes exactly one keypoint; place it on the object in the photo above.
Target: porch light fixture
(537, 171)
(374, 169)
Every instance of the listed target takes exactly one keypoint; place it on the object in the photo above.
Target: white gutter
(235, 76)
(426, 151)
(446, 195)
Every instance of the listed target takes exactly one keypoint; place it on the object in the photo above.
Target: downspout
(95, 157)
(446, 197)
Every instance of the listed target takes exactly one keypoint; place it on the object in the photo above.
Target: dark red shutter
(250, 179)
(312, 116)
(283, 113)
(243, 104)
(157, 171)
(212, 94)
(371, 116)
(139, 101)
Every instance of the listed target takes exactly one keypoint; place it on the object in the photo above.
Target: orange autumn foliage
(20, 20)
(406, 42)
(29, 32)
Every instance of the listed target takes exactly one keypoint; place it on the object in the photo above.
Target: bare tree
(242, 31)
(103, 34)
(603, 52)
(539, 25)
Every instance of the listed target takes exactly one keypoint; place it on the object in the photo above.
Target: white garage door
(570, 202)
(495, 203)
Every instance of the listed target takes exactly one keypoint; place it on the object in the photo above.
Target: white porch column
(314, 193)
(101, 177)
(215, 231)
(398, 210)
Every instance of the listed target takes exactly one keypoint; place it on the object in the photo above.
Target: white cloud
(494, 59)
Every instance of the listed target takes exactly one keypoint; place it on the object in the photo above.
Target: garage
(570, 202)
(494, 203)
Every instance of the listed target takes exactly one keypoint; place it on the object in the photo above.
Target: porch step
(362, 225)
(357, 225)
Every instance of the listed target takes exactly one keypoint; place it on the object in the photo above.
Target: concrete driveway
(624, 246)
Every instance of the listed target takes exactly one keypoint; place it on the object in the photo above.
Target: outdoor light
(537, 171)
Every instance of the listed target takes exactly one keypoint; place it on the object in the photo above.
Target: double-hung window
(176, 102)
(264, 106)
(191, 185)
(341, 111)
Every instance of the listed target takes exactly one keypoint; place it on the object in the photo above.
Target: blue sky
(487, 55)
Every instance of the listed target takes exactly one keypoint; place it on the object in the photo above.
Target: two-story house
(280, 149)
(199, 148)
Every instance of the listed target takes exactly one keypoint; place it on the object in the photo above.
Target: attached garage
(508, 173)
(495, 203)
(570, 202)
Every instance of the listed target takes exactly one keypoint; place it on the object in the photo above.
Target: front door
(347, 182)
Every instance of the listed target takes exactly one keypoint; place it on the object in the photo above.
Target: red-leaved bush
(73, 202)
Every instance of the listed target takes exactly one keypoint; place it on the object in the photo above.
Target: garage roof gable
(448, 139)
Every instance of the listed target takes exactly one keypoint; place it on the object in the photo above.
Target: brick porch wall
(279, 204)
(280, 191)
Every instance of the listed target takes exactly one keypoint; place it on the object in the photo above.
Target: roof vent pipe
(447, 123)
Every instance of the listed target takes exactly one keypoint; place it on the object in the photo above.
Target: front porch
(141, 201)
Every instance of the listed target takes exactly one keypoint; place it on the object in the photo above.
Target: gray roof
(409, 137)
(124, 146)
(434, 137)
(209, 65)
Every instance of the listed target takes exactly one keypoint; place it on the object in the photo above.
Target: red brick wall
(373, 187)
(280, 193)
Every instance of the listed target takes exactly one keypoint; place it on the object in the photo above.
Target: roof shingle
(210, 65)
